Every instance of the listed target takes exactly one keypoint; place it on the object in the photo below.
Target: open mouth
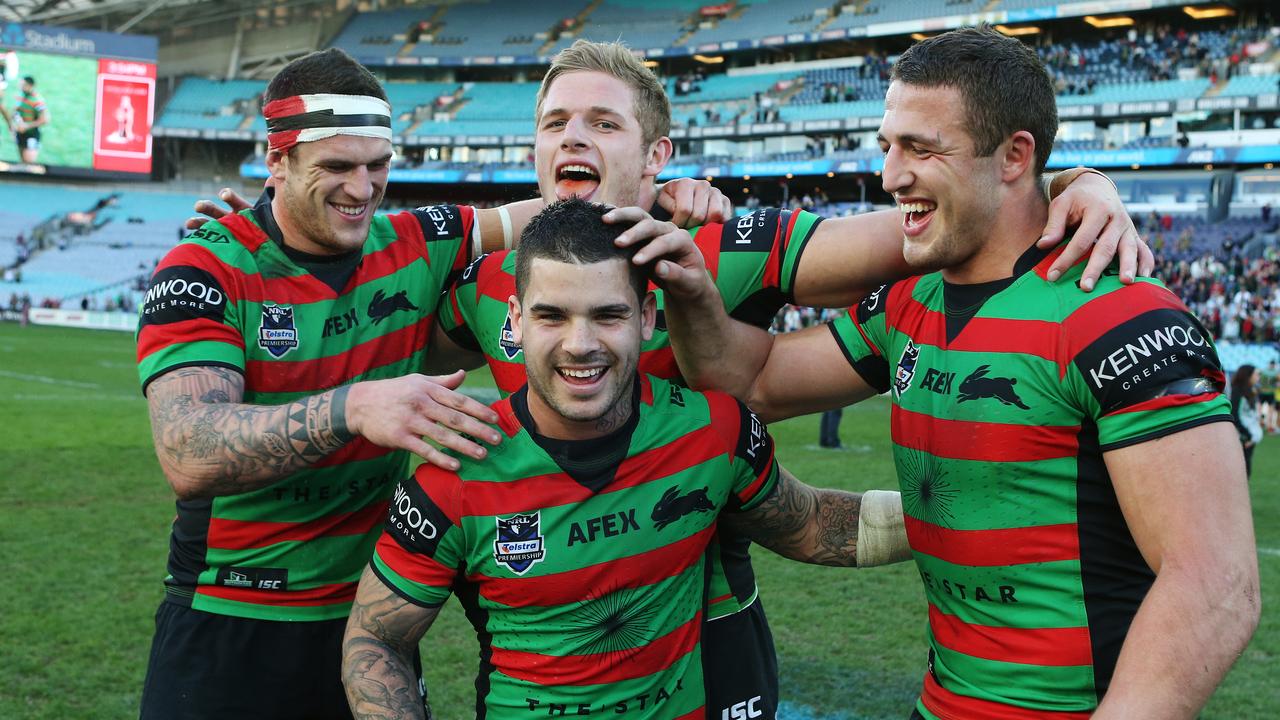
(582, 377)
(354, 212)
(916, 216)
(576, 179)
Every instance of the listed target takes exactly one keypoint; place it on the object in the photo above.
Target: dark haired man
(29, 116)
(577, 547)
(279, 349)
(1071, 480)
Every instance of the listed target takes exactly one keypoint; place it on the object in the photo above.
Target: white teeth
(588, 373)
(916, 207)
(349, 209)
(578, 169)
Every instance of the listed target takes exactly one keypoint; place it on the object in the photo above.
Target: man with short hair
(1070, 477)
(28, 117)
(578, 548)
(279, 349)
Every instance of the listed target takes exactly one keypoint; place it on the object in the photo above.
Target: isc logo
(742, 710)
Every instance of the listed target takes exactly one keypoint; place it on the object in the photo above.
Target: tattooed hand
(812, 525)
(377, 652)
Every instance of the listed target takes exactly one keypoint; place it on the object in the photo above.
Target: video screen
(70, 111)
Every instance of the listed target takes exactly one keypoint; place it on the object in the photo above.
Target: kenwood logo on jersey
(906, 369)
(409, 519)
(277, 334)
(182, 293)
(519, 543)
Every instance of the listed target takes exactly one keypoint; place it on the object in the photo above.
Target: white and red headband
(307, 118)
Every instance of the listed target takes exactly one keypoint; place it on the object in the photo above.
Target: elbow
(186, 486)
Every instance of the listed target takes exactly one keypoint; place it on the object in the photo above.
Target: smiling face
(327, 191)
(581, 327)
(949, 197)
(589, 143)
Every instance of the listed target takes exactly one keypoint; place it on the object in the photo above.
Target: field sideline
(84, 518)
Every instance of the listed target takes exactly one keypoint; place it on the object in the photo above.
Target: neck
(554, 425)
(1018, 222)
(289, 233)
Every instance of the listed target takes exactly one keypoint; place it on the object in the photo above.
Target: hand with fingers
(400, 412)
(677, 264)
(1103, 231)
(210, 210)
(694, 202)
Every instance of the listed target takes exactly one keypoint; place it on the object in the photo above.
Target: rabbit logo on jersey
(519, 545)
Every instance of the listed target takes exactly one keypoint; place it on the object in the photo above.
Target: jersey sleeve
(459, 306)
(422, 544)
(446, 230)
(191, 313)
(753, 260)
(1141, 366)
(747, 441)
(862, 334)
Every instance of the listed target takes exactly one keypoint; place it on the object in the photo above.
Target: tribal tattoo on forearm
(812, 525)
(201, 430)
(377, 668)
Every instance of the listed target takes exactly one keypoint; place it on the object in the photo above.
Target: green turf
(84, 517)
(69, 87)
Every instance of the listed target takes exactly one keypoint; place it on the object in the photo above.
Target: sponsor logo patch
(253, 578)
(183, 293)
(519, 544)
(277, 335)
(906, 369)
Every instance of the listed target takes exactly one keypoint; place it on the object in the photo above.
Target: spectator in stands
(1244, 411)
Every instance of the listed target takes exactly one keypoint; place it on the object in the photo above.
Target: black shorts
(739, 666)
(217, 666)
(29, 140)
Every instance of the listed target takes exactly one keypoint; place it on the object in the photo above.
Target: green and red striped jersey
(581, 564)
(231, 295)
(752, 259)
(1004, 398)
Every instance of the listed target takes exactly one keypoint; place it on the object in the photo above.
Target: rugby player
(577, 547)
(1074, 490)
(29, 116)
(279, 348)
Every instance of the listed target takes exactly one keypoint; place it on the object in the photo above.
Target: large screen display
(76, 102)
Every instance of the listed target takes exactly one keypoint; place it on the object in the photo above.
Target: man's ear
(658, 156)
(513, 312)
(648, 315)
(1018, 156)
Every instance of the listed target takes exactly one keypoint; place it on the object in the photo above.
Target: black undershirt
(332, 270)
(591, 463)
(962, 302)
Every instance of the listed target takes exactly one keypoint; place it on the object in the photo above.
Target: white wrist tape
(506, 226)
(477, 243)
(882, 534)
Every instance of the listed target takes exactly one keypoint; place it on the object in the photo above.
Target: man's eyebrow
(545, 308)
(614, 309)
(913, 139)
(596, 109)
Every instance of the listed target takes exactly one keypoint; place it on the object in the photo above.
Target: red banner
(123, 116)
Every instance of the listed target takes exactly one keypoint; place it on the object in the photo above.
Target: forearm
(714, 351)
(848, 257)
(1184, 638)
(210, 446)
(379, 679)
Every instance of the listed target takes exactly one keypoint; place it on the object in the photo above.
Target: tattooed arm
(377, 652)
(210, 443)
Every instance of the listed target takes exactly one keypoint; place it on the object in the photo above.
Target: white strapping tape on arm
(882, 531)
(506, 226)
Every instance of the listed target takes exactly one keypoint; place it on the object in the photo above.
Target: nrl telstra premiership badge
(518, 544)
(906, 369)
(277, 334)
(507, 340)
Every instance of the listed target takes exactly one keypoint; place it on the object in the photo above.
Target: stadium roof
(147, 17)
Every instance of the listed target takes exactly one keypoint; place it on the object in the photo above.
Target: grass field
(84, 519)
